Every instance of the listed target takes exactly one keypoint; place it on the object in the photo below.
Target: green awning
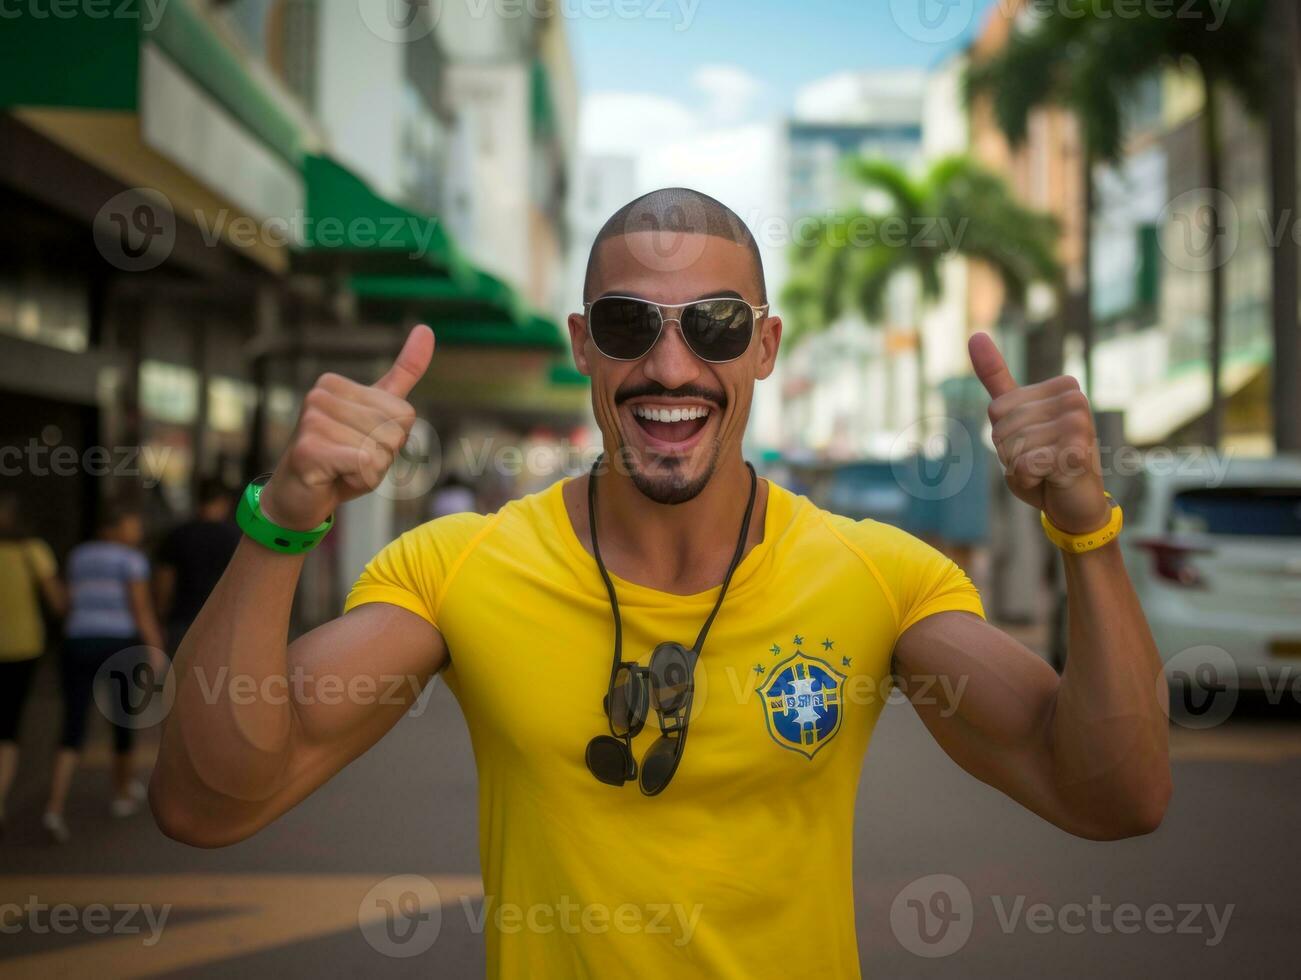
(344, 216)
(563, 374)
(538, 333)
(77, 60)
(473, 293)
(474, 308)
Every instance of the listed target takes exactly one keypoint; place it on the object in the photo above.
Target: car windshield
(1267, 511)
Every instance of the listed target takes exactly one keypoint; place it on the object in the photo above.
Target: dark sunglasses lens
(623, 328)
(628, 702)
(608, 760)
(660, 763)
(671, 676)
(718, 330)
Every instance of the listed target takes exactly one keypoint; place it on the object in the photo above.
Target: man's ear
(578, 342)
(770, 339)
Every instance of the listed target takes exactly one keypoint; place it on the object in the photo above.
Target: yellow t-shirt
(23, 565)
(742, 867)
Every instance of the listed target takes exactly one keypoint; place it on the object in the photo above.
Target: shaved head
(673, 216)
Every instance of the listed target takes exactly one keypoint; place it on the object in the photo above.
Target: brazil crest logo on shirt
(802, 703)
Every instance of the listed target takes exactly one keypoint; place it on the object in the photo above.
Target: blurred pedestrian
(192, 558)
(28, 575)
(109, 610)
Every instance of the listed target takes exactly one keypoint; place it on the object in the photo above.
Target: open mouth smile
(672, 426)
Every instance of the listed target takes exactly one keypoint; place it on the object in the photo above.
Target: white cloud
(729, 91)
(632, 123)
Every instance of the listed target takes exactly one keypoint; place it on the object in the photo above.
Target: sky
(691, 89)
(660, 47)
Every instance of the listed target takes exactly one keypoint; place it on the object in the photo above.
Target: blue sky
(784, 43)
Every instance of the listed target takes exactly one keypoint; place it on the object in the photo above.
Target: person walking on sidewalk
(109, 610)
(28, 576)
(192, 558)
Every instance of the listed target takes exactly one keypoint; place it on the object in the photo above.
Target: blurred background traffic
(208, 203)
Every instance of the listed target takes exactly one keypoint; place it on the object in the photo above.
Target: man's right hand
(347, 437)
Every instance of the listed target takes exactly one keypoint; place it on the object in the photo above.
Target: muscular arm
(1086, 751)
(259, 723)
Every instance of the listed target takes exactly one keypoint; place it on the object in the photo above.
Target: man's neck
(680, 548)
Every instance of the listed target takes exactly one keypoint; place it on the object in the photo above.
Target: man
(728, 854)
(192, 558)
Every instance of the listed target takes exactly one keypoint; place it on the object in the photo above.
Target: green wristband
(251, 520)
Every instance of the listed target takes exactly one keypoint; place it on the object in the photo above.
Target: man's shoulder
(875, 542)
(452, 535)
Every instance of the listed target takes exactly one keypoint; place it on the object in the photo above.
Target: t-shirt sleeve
(919, 580)
(932, 583)
(414, 571)
(136, 566)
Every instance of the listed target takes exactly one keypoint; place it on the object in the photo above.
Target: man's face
(671, 462)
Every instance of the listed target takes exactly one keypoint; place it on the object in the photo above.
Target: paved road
(1214, 893)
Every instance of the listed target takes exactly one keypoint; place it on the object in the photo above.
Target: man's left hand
(1046, 441)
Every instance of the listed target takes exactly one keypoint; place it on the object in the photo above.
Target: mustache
(652, 389)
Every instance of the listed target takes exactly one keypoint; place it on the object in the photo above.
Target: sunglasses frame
(673, 721)
(756, 312)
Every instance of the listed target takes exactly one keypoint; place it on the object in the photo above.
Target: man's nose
(671, 362)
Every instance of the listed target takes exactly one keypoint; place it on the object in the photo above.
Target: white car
(1213, 546)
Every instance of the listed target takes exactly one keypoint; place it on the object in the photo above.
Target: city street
(1213, 889)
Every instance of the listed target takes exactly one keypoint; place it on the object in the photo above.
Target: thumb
(411, 364)
(990, 367)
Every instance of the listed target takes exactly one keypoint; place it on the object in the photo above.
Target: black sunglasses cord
(609, 585)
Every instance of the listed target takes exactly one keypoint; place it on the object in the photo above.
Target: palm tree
(851, 258)
(1088, 54)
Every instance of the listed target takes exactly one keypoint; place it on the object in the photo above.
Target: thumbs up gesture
(348, 435)
(1046, 441)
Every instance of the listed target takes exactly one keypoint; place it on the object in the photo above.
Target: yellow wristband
(1077, 544)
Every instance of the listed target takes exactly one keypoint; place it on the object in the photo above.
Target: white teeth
(670, 414)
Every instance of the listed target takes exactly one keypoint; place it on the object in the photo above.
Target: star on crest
(828, 643)
(775, 649)
(798, 639)
(845, 661)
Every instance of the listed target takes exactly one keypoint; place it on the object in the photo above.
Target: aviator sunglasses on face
(625, 328)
